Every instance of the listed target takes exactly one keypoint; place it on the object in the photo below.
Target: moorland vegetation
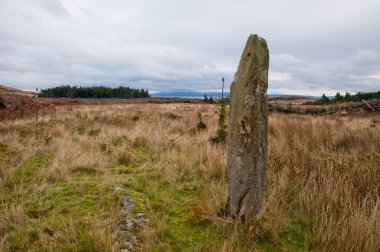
(59, 181)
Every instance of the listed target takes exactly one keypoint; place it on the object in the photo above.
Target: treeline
(345, 98)
(66, 91)
(207, 99)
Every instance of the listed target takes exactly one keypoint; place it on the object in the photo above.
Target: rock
(130, 224)
(130, 240)
(247, 141)
(128, 245)
(118, 188)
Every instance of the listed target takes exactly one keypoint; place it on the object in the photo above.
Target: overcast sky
(315, 46)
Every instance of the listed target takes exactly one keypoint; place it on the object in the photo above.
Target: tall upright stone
(247, 141)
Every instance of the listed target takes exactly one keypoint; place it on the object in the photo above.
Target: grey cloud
(53, 6)
(316, 46)
(353, 74)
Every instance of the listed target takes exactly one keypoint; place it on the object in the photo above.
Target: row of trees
(66, 91)
(345, 98)
(208, 100)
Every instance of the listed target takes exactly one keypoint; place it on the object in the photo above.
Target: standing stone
(247, 142)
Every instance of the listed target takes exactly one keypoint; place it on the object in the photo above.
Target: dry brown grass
(322, 184)
(327, 169)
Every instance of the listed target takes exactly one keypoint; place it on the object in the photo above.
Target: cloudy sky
(315, 45)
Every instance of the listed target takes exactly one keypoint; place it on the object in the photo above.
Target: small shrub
(125, 138)
(220, 137)
(289, 109)
(205, 99)
(221, 133)
(374, 122)
(171, 115)
(24, 132)
(208, 100)
(135, 118)
(81, 129)
(139, 142)
(125, 159)
(94, 132)
(315, 111)
(201, 125)
(48, 138)
(117, 141)
(85, 169)
(2, 103)
(104, 147)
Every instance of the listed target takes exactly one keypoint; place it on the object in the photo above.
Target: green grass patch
(27, 171)
(173, 211)
(78, 204)
(57, 216)
(173, 204)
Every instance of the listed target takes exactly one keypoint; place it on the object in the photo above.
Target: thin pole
(222, 88)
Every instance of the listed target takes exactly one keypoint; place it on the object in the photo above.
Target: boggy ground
(58, 185)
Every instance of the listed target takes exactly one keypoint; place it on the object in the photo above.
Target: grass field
(58, 184)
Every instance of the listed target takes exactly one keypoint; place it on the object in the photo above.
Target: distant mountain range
(173, 94)
(191, 94)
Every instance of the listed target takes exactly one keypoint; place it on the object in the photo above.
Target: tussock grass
(322, 188)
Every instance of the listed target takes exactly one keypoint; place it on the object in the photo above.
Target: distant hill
(10, 90)
(174, 94)
(200, 95)
(188, 94)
